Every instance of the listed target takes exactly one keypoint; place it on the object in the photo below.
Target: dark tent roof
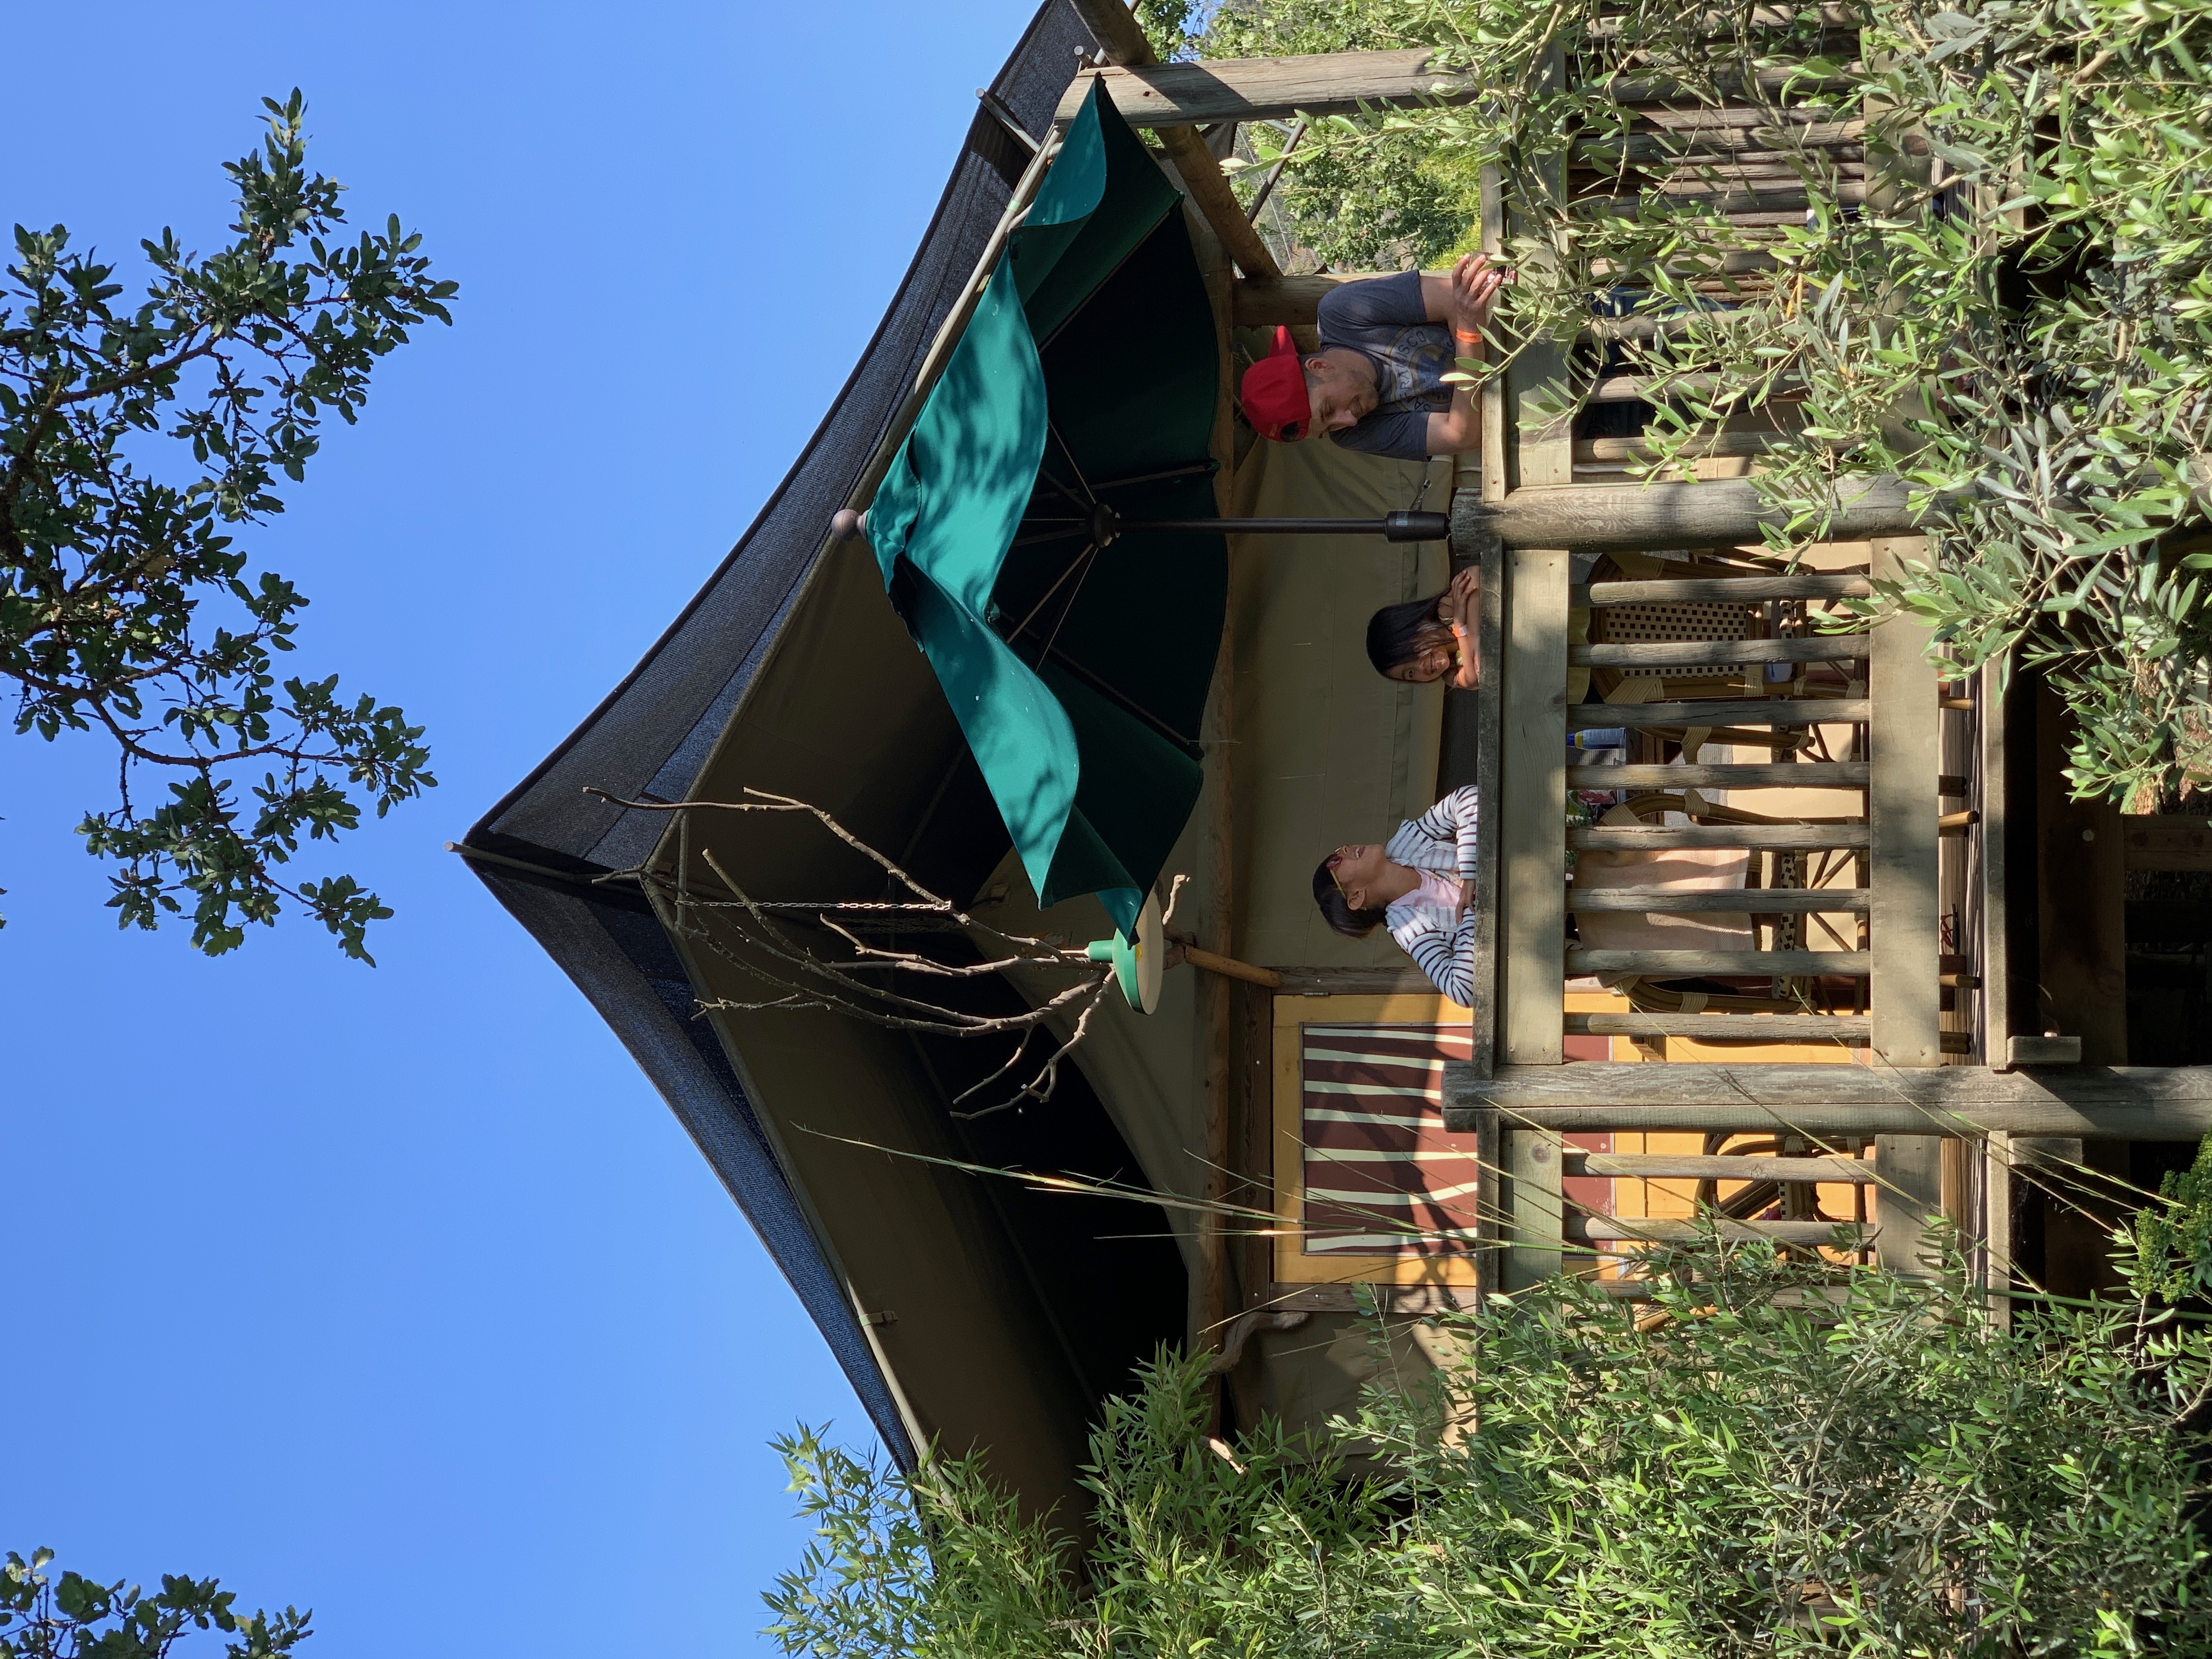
(653, 734)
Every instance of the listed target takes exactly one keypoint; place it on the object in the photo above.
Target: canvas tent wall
(965, 1310)
(652, 735)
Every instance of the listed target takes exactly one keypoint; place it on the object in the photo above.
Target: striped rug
(1380, 1174)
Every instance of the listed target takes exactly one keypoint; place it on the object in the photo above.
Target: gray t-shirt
(1384, 319)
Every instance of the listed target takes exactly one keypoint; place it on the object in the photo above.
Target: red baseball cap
(1273, 394)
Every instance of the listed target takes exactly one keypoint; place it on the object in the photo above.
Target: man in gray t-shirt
(1377, 384)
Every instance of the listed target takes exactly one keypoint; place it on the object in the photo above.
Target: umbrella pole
(1392, 527)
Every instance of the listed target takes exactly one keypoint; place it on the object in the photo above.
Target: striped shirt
(1439, 937)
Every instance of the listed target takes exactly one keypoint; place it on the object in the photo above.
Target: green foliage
(75, 1618)
(1773, 1458)
(1364, 193)
(2167, 1251)
(2018, 318)
(133, 440)
(1166, 24)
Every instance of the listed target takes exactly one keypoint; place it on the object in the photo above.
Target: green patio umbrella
(1083, 390)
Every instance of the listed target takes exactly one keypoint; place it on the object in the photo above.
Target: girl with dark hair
(1420, 885)
(1431, 639)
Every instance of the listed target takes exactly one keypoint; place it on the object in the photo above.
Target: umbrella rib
(1068, 455)
(1114, 694)
(1074, 528)
(1083, 562)
(1155, 478)
(1056, 487)
(1022, 627)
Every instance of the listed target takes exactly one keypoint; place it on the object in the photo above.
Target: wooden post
(1531, 893)
(1536, 1206)
(1998, 1200)
(1994, 1028)
(1532, 789)
(1542, 446)
(1482, 764)
(1993, 1025)
(1255, 1163)
(1489, 700)
(1636, 517)
(1496, 468)
(1124, 43)
(1904, 748)
(1215, 1031)
(2081, 880)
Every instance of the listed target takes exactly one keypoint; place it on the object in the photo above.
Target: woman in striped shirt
(1420, 885)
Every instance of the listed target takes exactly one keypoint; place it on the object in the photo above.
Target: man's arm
(1461, 297)
(1458, 430)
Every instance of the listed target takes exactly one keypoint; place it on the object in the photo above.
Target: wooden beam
(1939, 1090)
(1531, 893)
(1903, 812)
(1155, 95)
(1489, 699)
(1290, 301)
(1847, 1029)
(2098, 1103)
(2081, 901)
(1295, 301)
(1611, 1230)
(1653, 837)
(1999, 1246)
(1773, 711)
(1811, 775)
(1683, 1166)
(1124, 43)
(1539, 395)
(1357, 1298)
(1990, 1031)
(1351, 981)
(1724, 590)
(1150, 94)
(1734, 900)
(1536, 1206)
(1673, 965)
(1905, 744)
(2171, 842)
(1496, 451)
(1622, 450)
(1717, 513)
(1697, 653)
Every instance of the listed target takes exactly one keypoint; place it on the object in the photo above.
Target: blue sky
(398, 1293)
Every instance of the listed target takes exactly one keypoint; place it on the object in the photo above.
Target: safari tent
(1049, 635)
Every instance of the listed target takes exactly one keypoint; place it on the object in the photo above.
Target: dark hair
(1336, 910)
(1398, 634)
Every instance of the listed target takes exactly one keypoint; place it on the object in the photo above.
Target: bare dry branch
(753, 937)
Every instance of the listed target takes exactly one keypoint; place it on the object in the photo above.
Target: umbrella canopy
(1088, 375)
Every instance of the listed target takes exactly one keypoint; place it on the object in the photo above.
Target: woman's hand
(1458, 601)
(1468, 674)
